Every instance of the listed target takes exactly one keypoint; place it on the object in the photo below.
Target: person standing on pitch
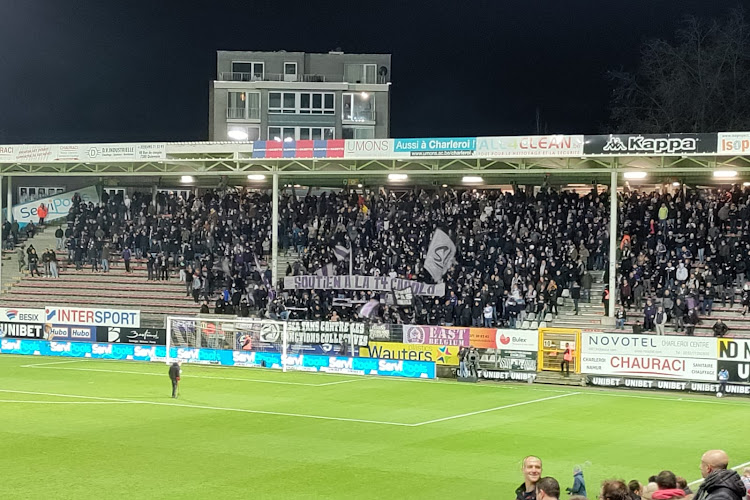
(174, 376)
(723, 378)
(567, 358)
(579, 485)
(532, 471)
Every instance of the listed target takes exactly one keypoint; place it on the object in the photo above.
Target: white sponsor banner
(734, 142)
(649, 366)
(17, 315)
(92, 317)
(552, 146)
(57, 206)
(517, 340)
(355, 282)
(556, 146)
(65, 153)
(648, 345)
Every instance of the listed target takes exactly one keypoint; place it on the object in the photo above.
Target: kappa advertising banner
(442, 355)
(734, 143)
(557, 146)
(436, 335)
(306, 362)
(58, 206)
(93, 317)
(364, 283)
(65, 153)
(120, 335)
(15, 315)
(650, 144)
(669, 385)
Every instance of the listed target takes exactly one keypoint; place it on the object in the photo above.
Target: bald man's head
(713, 460)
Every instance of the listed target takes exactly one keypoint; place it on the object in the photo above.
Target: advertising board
(124, 335)
(20, 315)
(442, 355)
(57, 206)
(304, 362)
(93, 317)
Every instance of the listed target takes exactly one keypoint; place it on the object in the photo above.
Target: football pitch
(90, 429)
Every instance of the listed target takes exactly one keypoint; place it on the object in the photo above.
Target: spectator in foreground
(579, 485)
(635, 489)
(547, 488)
(719, 482)
(667, 484)
(746, 479)
(532, 472)
(613, 489)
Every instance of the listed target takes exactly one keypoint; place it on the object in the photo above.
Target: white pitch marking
(52, 363)
(698, 481)
(216, 408)
(129, 372)
(66, 402)
(513, 405)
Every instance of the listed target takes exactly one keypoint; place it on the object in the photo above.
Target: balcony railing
(359, 116)
(233, 76)
(243, 113)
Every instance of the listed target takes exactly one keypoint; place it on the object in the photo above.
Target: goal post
(215, 339)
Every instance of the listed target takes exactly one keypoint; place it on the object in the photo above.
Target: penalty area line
(35, 365)
(213, 408)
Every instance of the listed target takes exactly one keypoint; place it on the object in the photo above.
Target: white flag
(440, 255)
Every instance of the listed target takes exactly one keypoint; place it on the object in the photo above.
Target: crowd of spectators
(681, 253)
(719, 482)
(517, 251)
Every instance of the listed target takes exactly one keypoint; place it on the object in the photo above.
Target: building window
(300, 133)
(243, 133)
(243, 105)
(290, 71)
(358, 107)
(361, 73)
(358, 133)
(247, 71)
(315, 103)
(32, 193)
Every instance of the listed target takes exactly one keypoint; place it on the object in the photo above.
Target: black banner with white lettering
(668, 385)
(739, 371)
(650, 144)
(119, 335)
(317, 332)
(507, 375)
(22, 330)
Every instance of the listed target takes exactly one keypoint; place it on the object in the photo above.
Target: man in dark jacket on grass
(719, 482)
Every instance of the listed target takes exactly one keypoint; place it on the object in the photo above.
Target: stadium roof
(579, 157)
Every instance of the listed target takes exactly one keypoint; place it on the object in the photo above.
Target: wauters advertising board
(687, 358)
(442, 355)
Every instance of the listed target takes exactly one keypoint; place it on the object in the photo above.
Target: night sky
(77, 71)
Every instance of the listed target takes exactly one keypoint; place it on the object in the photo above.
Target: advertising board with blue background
(302, 362)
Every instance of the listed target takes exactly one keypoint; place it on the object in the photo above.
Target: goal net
(228, 341)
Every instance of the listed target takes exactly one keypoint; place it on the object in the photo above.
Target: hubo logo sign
(650, 144)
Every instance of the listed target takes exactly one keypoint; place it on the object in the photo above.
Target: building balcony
(243, 113)
(359, 116)
(232, 76)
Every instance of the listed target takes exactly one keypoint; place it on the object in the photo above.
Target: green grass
(140, 443)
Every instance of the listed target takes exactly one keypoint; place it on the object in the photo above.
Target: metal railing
(243, 113)
(233, 76)
(359, 116)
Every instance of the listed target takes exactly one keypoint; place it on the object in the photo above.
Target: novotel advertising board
(92, 317)
(688, 358)
(58, 206)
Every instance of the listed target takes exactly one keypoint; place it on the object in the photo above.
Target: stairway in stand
(590, 313)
